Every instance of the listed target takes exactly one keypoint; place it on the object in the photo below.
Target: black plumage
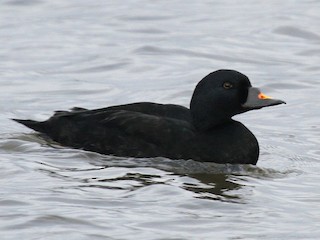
(205, 132)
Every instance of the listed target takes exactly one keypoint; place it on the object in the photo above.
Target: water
(61, 54)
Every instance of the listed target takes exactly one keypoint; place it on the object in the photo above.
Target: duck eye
(227, 85)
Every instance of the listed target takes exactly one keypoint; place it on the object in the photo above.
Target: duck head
(223, 94)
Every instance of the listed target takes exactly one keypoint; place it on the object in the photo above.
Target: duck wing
(119, 132)
(145, 135)
(155, 109)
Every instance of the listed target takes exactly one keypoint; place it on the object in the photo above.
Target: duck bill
(256, 100)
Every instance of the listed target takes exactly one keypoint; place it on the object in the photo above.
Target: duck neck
(204, 122)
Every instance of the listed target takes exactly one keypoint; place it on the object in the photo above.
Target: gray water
(55, 55)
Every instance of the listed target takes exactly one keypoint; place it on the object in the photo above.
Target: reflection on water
(216, 187)
(223, 182)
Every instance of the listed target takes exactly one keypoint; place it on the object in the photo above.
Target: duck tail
(37, 126)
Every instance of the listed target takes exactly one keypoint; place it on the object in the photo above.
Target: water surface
(59, 54)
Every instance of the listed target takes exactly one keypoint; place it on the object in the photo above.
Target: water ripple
(297, 32)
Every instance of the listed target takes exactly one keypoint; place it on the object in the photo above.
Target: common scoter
(205, 132)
